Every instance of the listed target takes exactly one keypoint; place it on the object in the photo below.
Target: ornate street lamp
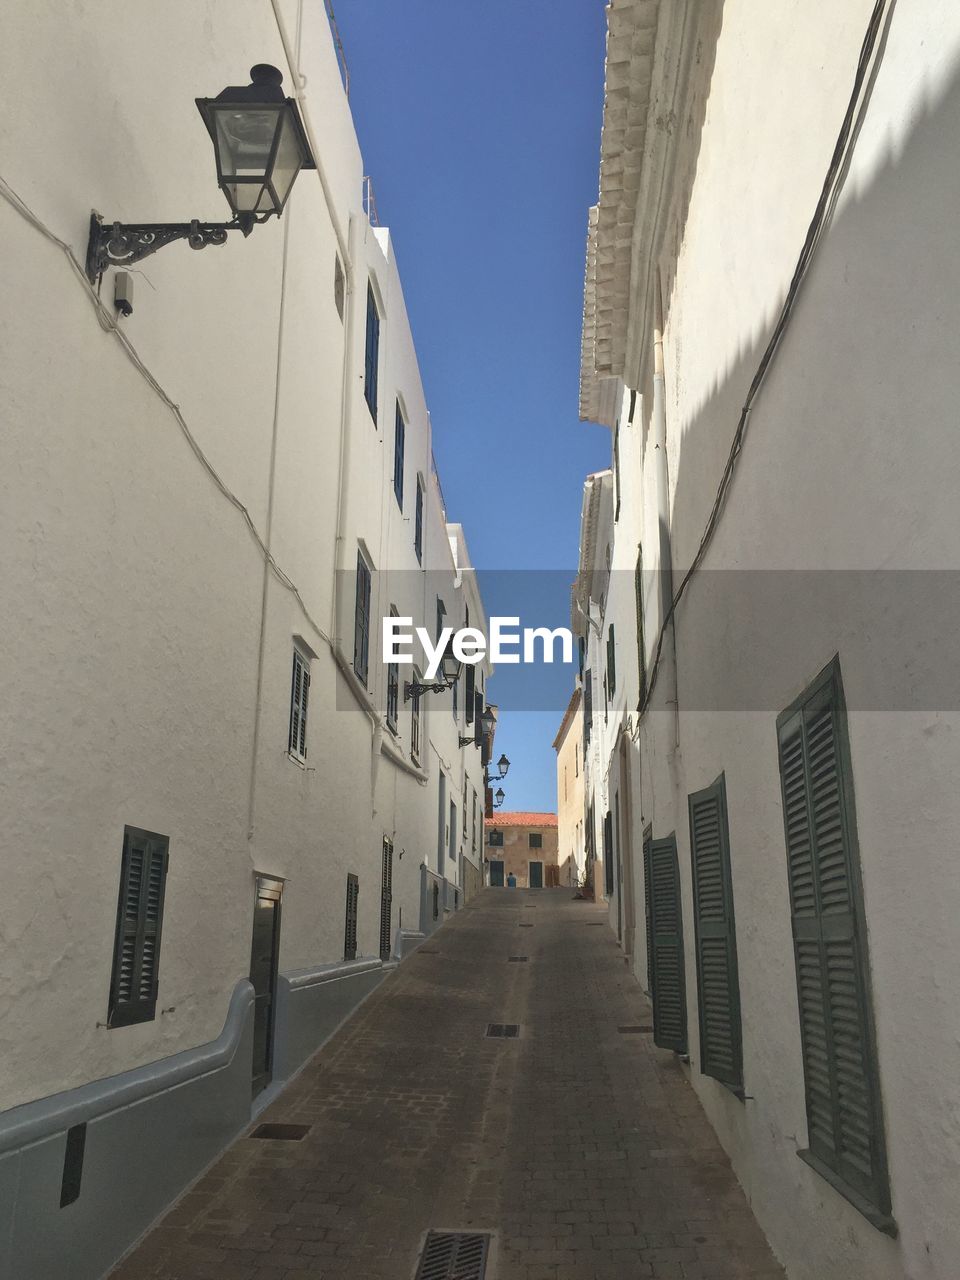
(498, 797)
(484, 723)
(450, 668)
(260, 145)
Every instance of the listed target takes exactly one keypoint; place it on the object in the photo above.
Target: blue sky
(480, 126)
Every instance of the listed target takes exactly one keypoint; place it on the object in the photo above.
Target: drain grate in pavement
(454, 1255)
(635, 1029)
(281, 1132)
(523, 925)
(517, 959)
(595, 924)
(503, 1030)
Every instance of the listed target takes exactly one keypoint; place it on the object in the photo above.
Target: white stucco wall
(851, 461)
(145, 652)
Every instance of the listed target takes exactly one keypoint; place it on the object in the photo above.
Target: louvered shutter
(721, 1052)
(669, 983)
(648, 905)
(611, 662)
(845, 1130)
(371, 354)
(350, 926)
(136, 967)
(361, 631)
(608, 854)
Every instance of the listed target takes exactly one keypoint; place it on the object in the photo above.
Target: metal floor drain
(517, 959)
(281, 1132)
(595, 924)
(635, 1029)
(523, 925)
(454, 1255)
(503, 1030)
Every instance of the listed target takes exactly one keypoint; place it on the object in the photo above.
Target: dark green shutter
(136, 965)
(611, 662)
(721, 1049)
(371, 354)
(648, 905)
(608, 853)
(350, 925)
(669, 983)
(361, 631)
(641, 656)
(844, 1120)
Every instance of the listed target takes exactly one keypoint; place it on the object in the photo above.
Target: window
(136, 957)
(844, 1116)
(299, 691)
(536, 840)
(338, 285)
(456, 699)
(641, 653)
(399, 434)
(418, 523)
(611, 662)
(372, 354)
(721, 1052)
(495, 839)
(393, 686)
(587, 710)
(473, 810)
(608, 854)
(361, 633)
(415, 723)
(441, 618)
(350, 925)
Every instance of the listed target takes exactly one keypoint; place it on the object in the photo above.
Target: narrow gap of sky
(480, 127)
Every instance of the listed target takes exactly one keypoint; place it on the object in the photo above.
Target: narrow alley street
(579, 1145)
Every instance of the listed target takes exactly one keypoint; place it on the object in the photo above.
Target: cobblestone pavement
(583, 1149)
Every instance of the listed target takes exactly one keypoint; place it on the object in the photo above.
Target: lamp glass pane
(288, 162)
(244, 144)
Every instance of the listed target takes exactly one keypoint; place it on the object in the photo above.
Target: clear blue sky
(480, 126)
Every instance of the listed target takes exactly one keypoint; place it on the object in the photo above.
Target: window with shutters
(393, 686)
(299, 696)
(361, 631)
(718, 983)
(495, 839)
(587, 710)
(136, 959)
(536, 840)
(399, 435)
(371, 366)
(611, 682)
(350, 925)
(668, 986)
(418, 523)
(415, 722)
(844, 1114)
(641, 653)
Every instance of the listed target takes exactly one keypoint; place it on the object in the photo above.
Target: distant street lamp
(498, 797)
(260, 145)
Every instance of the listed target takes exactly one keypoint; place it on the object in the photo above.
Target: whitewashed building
(771, 319)
(224, 820)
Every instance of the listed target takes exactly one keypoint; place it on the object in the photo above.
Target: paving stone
(586, 1151)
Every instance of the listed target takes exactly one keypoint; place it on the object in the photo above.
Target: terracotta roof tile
(520, 819)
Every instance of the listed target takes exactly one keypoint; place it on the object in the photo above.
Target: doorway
(617, 842)
(626, 845)
(535, 876)
(496, 872)
(264, 955)
(386, 899)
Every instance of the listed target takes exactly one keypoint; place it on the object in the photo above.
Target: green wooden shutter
(844, 1119)
(648, 905)
(721, 1049)
(350, 924)
(669, 983)
(136, 966)
(608, 853)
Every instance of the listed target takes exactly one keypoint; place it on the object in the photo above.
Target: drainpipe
(659, 430)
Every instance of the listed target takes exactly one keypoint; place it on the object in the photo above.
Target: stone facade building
(522, 845)
(568, 745)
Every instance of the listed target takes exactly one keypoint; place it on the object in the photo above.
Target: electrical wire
(820, 220)
(109, 324)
